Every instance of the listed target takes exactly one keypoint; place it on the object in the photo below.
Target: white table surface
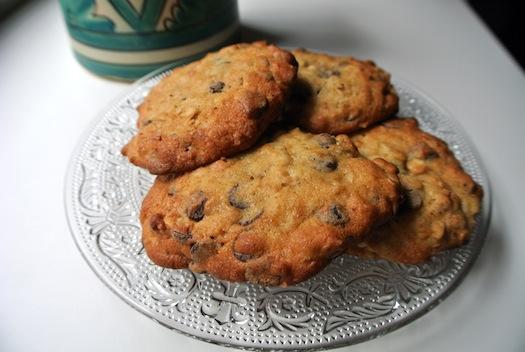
(50, 300)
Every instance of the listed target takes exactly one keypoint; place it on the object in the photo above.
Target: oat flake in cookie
(337, 94)
(212, 108)
(274, 215)
(441, 200)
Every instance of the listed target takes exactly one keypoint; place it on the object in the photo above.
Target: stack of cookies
(272, 163)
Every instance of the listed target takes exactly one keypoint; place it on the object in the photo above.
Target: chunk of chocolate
(335, 214)
(156, 222)
(234, 200)
(195, 207)
(216, 87)
(327, 163)
(325, 140)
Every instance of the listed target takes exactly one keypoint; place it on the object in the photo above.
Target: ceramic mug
(126, 39)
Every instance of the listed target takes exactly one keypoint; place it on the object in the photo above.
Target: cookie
(339, 94)
(441, 200)
(211, 108)
(274, 215)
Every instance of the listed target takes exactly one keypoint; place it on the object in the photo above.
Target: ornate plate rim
(425, 307)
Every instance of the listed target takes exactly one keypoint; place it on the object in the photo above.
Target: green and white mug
(127, 39)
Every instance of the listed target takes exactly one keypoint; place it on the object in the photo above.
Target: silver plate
(352, 300)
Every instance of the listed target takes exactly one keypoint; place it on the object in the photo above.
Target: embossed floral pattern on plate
(350, 301)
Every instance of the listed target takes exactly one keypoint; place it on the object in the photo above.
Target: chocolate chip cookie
(212, 108)
(441, 200)
(339, 94)
(275, 214)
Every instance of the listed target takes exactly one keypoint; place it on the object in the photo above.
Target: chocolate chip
(242, 257)
(247, 247)
(202, 251)
(234, 202)
(325, 140)
(216, 87)
(422, 151)
(431, 155)
(247, 219)
(181, 236)
(194, 248)
(326, 163)
(335, 214)
(328, 73)
(156, 222)
(414, 199)
(475, 189)
(195, 208)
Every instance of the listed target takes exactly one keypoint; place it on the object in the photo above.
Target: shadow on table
(8, 7)
(485, 282)
(251, 34)
(340, 37)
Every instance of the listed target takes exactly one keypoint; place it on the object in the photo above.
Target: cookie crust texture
(337, 94)
(274, 215)
(211, 108)
(441, 200)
